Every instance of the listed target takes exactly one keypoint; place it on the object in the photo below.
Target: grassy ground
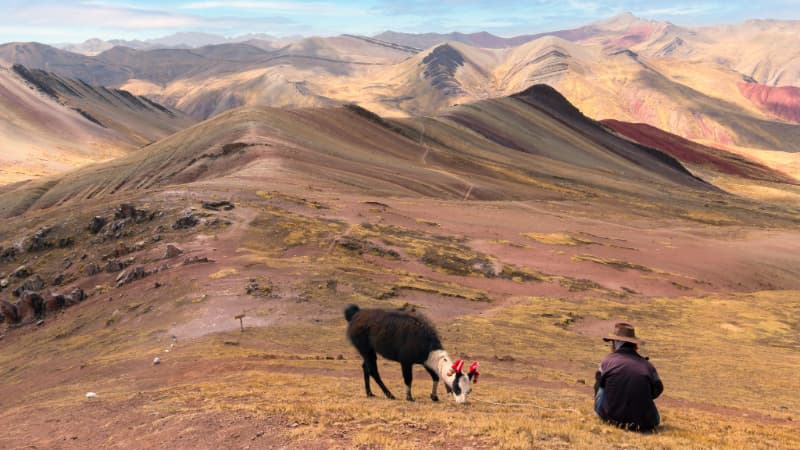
(291, 379)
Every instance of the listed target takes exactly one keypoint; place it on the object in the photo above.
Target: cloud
(306, 8)
(683, 10)
(49, 20)
(79, 14)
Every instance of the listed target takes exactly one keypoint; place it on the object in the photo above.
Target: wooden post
(241, 323)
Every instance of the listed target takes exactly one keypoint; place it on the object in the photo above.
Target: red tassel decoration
(473, 369)
(458, 365)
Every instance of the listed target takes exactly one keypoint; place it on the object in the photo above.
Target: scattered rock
(30, 307)
(77, 295)
(197, 260)
(129, 276)
(216, 221)
(88, 395)
(21, 272)
(218, 205)
(186, 220)
(504, 358)
(54, 303)
(115, 265)
(97, 223)
(35, 284)
(8, 311)
(114, 318)
(9, 254)
(156, 361)
(362, 246)
(92, 269)
(40, 323)
(172, 251)
(125, 211)
(65, 242)
(257, 290)
(580, 381)
(39, 241)
(4, 283)
(58, 279)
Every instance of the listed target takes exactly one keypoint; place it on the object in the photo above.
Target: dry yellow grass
(556, 239)
(532, 354)
(223, 273)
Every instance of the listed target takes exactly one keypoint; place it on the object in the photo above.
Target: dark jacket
(631, 384)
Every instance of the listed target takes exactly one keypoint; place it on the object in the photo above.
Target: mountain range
(690, 82)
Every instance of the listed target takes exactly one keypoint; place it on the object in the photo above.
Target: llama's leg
(372, 364)
(435, 377)
(408, 374)
(366, 379)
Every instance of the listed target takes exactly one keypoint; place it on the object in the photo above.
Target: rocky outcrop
(131, 275)
(441, 65)
(186, 220)
(35, 283)
(218, 205)
(97, 223)
(8, 312)
(172, 251)
(54, 303)
(30, 307)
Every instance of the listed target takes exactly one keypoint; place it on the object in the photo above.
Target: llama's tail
(350, 311)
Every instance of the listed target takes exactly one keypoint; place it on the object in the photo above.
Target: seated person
(627, 383)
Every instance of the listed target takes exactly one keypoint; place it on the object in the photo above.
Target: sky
(63, 21)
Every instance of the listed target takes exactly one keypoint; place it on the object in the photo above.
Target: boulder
(39, 241)
(76, 296)
(92, 269)
(172, 251)
(21, 272)
(8, 311)
(9, 254)
(129, 276)
(218, 205)
(97, 223)
(186, 220)
(197, 260)
(54, 303)
(114, 266)
(30, 307)
(128, 212)
(34, 284)
(125, 211)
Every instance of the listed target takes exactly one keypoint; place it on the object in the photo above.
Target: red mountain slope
(781, 101)
(692, 153)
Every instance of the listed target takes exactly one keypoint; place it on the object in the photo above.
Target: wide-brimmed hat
(624, 332)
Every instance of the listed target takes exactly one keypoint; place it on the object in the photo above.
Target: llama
(408, 338)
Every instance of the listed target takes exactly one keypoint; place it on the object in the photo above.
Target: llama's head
(460, 384)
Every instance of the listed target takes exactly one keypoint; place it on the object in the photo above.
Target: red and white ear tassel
(458, 366)
(473, 370)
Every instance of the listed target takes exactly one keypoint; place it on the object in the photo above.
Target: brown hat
(624, 332)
